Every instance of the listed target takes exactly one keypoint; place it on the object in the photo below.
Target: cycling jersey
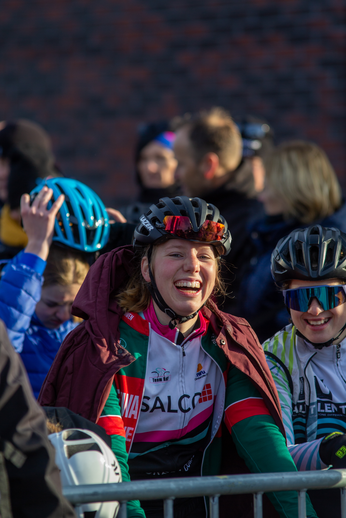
(312, 388)
(95, 361)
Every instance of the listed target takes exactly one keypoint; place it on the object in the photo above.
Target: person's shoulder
(280, 339)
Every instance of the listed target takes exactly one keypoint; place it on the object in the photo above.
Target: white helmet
(84, 458)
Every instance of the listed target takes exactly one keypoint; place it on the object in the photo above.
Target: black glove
(333, 450)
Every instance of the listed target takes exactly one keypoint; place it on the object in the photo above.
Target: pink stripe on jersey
(165, 331)
(166, 435)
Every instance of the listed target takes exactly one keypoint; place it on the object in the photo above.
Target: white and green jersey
(312, 388)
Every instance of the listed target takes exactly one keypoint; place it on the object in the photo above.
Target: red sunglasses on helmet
(180, 226)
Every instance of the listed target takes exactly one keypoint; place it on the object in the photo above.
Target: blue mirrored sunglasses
(328, 297)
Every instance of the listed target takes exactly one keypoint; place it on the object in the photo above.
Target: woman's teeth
(188, 284)
(318, 322)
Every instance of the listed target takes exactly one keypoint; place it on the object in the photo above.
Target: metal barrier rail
(213, 487)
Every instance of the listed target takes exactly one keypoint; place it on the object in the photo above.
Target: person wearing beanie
(26, 155)
(155, 166)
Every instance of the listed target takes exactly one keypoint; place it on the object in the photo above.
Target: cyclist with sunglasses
(307, 358)
(182, 388)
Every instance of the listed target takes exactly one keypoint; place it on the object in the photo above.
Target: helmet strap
(159, 301)
(320, 345)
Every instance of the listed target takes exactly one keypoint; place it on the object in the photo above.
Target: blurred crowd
(53, 229)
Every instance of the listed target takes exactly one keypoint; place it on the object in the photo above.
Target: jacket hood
(106, 277)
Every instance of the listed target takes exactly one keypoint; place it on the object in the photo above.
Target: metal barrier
(213, 487)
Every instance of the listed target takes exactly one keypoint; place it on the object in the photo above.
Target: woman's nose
(152, 166)
(191, 263)
(315, 307)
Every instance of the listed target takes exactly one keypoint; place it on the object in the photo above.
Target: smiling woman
(174, 381)
(307, 358)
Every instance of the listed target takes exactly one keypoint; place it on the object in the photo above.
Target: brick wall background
(90, 72)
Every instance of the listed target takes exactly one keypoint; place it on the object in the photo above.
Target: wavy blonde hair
(301, 175)
(65, 267)
(136, 296)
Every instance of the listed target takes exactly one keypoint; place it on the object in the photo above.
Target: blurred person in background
(209, 151)
(301, 188)
(30, 484)
(38, 286)
(26, 155)
(258, 144)
(155, 165)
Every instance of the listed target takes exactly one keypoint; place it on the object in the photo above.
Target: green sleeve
(112, 407)
(262, 446)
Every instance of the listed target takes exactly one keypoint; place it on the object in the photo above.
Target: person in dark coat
(301, 188)
(208, 148)
(30, 485)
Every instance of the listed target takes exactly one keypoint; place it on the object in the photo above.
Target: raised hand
(38, 221)
(115, 216)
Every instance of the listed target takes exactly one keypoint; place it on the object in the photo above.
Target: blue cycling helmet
(82, 221)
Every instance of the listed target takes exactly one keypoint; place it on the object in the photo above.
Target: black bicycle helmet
(152, 227)
(197, 213)
(313, 253)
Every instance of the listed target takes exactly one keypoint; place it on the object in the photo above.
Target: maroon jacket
(81, 375)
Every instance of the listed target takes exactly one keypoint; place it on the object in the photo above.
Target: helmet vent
(299, 254)
(77, 448)
(75, 435)
(143, 230)
(330, 256)
(314, 258)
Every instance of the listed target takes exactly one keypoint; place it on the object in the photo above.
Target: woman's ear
(145, 269)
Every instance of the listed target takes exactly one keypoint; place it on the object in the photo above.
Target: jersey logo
(207, 394)
(161, 375)
(200, 372)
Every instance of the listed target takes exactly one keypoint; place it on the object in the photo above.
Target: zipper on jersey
(338, 356)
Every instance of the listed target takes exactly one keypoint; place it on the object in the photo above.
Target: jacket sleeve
(34, 480)
(305, 455)
(258, 439)
(112, 422)
(20, 291)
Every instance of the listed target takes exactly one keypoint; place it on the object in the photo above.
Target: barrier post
(302, 503)
(258, 504)
(214, 506)
(168, 508)
(343, 502)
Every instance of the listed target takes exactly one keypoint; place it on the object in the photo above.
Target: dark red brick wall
(90, 71)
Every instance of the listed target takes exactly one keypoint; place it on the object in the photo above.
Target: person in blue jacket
(66, 223)
(301, 188)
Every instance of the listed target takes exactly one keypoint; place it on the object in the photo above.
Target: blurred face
(4, 173)
(188, 173)
(185, 274)
(272, 201)
(157, 166)
(316, 324)
(54, 308)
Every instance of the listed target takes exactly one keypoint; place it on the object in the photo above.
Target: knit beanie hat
(29, 150)
(155, 131)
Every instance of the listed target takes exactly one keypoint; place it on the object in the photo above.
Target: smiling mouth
(319, 322)
(188, 286)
